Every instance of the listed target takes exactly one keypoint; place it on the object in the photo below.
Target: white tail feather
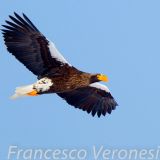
(22, 91)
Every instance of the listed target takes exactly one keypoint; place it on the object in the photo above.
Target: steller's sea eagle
(54, 73)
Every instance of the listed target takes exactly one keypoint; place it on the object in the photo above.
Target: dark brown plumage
(54, 73)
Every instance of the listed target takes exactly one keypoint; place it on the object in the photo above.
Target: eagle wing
(30, 46)
(95, 99)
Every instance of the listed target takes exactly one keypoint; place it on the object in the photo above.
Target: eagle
(54, 74)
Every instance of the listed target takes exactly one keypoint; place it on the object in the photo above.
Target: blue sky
(118, 38)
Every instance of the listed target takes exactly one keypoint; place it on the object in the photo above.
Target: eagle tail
(23, 91)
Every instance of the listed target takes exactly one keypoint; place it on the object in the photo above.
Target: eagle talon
(33, 93)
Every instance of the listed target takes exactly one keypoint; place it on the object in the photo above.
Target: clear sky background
(120, 38)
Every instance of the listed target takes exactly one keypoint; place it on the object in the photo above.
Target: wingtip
(15, 13)
(23, 14)
(3, 30)
(3, 25)
(10, 16)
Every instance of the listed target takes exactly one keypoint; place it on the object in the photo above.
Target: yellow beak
(103, 78)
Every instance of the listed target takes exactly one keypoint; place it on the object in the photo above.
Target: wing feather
(94, 99)
(30, 46)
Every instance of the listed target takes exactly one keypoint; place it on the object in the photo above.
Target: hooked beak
(103, 78)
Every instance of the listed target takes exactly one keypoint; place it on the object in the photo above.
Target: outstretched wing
(95, 99)
(30, 46)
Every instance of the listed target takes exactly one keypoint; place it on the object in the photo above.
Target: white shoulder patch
(43, 84)
(100, 86)
(56, 54)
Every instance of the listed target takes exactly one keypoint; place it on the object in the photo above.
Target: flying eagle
(54, 73)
